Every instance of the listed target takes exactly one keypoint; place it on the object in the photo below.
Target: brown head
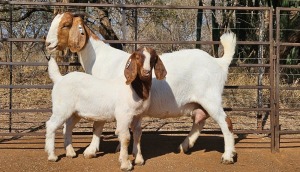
(67, 30)
(138, 70)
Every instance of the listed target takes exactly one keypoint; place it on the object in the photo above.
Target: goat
(193, 87)
(103, 100)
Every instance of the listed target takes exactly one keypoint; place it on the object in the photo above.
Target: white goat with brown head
(102, 100)
(193, 87)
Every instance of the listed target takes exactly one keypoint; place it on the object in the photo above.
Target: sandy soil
(254, 154)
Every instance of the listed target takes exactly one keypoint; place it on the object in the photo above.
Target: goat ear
(159, 69)
(77, 35)
(130, 71)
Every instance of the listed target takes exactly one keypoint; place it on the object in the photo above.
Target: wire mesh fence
(261, 95)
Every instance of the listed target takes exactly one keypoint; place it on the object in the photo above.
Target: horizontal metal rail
(26, 86)
(49, 86)
(38, 63)
(204, 131)
(142, 42)
(49, 110)
(25, 110)
(133, 6)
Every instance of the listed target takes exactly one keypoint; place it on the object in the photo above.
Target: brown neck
(142, 88)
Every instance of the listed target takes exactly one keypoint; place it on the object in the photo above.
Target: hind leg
(199, 117)
(91, 150)
(68, 127)
(230, 153)
(218, 114)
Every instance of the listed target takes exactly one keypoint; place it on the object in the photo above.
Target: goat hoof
(182, 149)
(52, 158)
(89, 153)
(139, 162)
(230, 160)
(89, 156)
(223, 161)
(71, 155)
(127, 166)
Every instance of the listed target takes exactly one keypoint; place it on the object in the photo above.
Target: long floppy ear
(130, 71)
(159, 69)
(77, 35)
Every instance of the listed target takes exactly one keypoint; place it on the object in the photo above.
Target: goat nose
(47, 44)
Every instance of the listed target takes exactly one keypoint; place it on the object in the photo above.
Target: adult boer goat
(85, 96)
(193, 87)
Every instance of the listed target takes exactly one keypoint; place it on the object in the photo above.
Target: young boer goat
(104, 100)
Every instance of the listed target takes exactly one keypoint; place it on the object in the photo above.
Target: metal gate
(20, 117)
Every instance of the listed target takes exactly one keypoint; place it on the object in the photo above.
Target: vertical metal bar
(10, 70)
(135, 27)
(123, 21)
(272, 79)
(261, 70)
(277, 86)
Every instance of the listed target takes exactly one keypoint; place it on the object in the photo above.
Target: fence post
(10, 68)
(275, 127)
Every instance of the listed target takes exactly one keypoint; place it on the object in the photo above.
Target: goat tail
(228, 40)
(53, 70)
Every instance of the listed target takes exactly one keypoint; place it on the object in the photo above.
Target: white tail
(228, 40)
(53, 70)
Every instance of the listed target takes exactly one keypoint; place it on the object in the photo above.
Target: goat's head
(66, 30)
(141, 63)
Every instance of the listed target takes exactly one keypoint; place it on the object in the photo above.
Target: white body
(96, 99)
(195, 80)
(81, 95)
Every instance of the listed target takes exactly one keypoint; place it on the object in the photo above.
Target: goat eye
(67, 25)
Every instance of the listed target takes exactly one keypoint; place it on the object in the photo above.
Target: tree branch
(27, 14)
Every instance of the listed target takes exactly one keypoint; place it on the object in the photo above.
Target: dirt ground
(27, 154)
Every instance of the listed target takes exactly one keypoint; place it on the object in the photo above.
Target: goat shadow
(155, 145)
(158, 145)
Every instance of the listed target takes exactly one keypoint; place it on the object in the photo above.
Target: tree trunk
(215, 30)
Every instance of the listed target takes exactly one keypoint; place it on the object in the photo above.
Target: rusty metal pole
(10, 69)
(123, 27)
(135, 27)
(272, 79)
(261, 70)
(277, 71)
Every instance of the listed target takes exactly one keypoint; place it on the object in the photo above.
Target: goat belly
(92, 117)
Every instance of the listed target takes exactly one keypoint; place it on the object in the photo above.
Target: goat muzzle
(146, 73)
(47, 44)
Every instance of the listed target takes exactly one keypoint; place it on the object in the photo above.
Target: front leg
(68, 127)
(137, 133)
(91, 150)
(123, 133)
